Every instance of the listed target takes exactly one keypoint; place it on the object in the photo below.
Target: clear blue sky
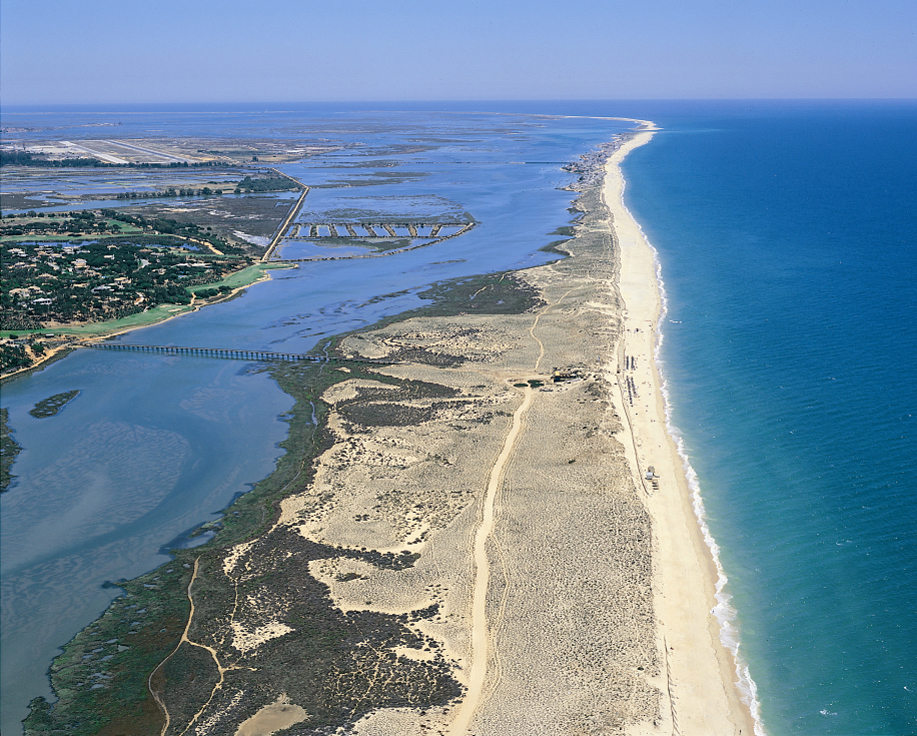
(102, 51)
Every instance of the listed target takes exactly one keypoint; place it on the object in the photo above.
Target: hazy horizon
(101, 52)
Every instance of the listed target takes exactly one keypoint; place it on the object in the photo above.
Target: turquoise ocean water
(785, 233)
(787, 236)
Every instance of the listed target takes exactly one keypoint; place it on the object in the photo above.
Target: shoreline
(714, 693)
(76, 336)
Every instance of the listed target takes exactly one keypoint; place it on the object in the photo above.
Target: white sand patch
(349, 390)
(402, 721)
(253, 239)
(246, 639)
(232, 557)
(417, 655)
(272, 718)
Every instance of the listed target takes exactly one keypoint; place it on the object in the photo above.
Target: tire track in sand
(480, 643)
(480, 639)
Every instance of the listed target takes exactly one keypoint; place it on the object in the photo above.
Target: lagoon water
(154, 446)
(785, 234)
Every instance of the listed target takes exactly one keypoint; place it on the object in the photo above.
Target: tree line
(24, 158)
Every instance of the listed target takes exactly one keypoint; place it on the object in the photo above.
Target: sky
(155, 51)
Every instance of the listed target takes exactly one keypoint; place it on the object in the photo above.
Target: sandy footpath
(700, 690)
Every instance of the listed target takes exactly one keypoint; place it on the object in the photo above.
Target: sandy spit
(574, 594)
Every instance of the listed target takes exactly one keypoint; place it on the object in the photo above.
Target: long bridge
(224, 353)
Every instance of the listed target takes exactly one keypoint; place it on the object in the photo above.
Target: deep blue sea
(787, 236)
(787, 239)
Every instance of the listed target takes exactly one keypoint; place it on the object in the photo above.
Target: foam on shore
(647, 303)
(724, 612)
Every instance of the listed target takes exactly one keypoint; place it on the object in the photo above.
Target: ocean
(785, 238)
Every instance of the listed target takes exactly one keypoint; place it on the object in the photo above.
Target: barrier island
(465, 533)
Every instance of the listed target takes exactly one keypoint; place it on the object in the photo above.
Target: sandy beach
(701, 692)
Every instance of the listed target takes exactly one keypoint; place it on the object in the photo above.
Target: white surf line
(699, 655)
(480, 643)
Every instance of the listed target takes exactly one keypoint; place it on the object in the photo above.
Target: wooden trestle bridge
(224, 353)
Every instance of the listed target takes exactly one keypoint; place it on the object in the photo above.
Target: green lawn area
(245, 277)
(237, 280)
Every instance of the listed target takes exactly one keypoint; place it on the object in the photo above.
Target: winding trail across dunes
(185, 640)
(480, 638)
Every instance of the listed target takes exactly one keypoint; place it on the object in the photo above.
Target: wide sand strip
(703, 698)
(574, 595)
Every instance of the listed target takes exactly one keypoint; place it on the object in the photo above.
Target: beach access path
(701, 674)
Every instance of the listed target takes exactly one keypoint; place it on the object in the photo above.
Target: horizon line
(388, 102)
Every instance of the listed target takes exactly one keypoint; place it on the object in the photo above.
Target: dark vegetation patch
(13, 355)
(425, 356)
(192, 670)
(53, 404)
(567, 232)
(403, 390)
(9, 449)
(265, 184)
(23, 158)
(22, 200)
(500, 293)
(387, 407)
(392, 413)
(328, 664)
(101, 676)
